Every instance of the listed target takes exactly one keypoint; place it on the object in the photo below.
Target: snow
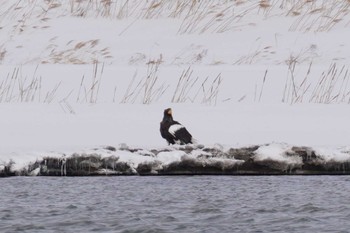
(169, 157)
(276, 152)
(329, 154)
(227, 74)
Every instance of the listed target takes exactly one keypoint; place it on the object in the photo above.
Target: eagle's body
(173, 131)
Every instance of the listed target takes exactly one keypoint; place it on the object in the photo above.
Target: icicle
(63, 166)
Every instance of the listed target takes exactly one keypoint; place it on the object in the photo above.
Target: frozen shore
(269, 159)
(247, 75)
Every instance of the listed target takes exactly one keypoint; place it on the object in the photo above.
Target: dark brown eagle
(173, 131)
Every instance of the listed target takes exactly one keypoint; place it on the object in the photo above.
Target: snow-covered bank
(31, 132)
(269, 159)
(81, 74)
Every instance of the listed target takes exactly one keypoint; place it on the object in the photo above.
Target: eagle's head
(168, 112)
(168, 115)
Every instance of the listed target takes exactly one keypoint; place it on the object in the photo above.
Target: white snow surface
(276, 152)
(78, 75)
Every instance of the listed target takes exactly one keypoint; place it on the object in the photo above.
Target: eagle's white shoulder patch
(174, 128)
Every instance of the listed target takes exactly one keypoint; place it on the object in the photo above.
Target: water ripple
(175, 204)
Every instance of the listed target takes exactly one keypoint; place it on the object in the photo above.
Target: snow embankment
(269, 159)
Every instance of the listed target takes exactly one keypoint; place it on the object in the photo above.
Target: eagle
(173, 131)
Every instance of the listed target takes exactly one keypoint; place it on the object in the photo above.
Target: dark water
(176, 204)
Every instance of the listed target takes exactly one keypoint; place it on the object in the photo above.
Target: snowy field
(76, 75)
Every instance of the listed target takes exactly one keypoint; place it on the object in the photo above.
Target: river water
(175, 204)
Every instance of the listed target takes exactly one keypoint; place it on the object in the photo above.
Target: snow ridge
(269, 159)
